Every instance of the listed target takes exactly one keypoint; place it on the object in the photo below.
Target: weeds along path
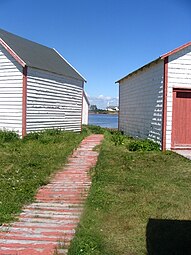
(47, 226)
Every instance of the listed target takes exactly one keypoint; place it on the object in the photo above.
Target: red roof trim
(12, 53)
(176, 50)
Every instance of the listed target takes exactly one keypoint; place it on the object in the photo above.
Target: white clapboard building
(155, 100)
(85, 112)
(39, 89)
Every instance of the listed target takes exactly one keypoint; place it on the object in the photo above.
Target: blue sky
(103, 39)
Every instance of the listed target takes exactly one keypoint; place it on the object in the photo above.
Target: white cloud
(102, 97)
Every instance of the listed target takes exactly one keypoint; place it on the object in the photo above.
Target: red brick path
(50, 222)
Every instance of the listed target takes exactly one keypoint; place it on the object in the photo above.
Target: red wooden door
(181, 124)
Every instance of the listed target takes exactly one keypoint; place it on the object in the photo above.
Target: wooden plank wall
(141, 103)
(10, 92)
(179, 76)
(53, 101)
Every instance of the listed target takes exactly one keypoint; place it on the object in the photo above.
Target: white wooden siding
(10, 92)
(141, 103)
(179, 76)
(53, 101)
(85, 111)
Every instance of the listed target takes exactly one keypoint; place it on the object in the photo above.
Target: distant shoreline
(104, 112)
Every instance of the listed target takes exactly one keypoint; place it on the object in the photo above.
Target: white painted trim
(86, 98)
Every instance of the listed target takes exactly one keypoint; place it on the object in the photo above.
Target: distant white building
(112, 108)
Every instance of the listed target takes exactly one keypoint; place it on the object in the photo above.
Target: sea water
(103, 120)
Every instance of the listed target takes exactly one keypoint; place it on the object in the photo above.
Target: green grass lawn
(128, 189)
(27, 164)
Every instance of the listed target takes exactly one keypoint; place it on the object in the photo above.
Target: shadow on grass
(168, 237)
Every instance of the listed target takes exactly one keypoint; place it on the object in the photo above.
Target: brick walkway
(49, 223)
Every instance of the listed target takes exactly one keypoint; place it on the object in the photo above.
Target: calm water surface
(104, 120)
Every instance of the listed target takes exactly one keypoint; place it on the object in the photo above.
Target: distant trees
(93, 108)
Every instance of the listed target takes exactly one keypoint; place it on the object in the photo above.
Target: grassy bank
(27, 164)
(128, 189)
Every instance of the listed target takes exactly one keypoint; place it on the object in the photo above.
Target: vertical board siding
(141, 102)
(179, 76)
(53, 101)
(10, 92)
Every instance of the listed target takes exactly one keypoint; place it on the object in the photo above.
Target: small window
(183, 94)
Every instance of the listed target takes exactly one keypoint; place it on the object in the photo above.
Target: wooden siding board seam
(10, 92)
(45, 90)
(47, 82)
(60, 90)
(67, 76)
(55, 78)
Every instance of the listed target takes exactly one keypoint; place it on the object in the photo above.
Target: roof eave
(139, 69)
(46, 70)
(176, 50)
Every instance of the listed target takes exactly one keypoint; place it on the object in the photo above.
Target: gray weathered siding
(141, 103)
(53, 101)
(10, 92)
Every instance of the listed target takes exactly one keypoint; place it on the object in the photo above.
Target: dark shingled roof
(39, 56)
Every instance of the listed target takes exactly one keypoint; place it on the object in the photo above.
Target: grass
(133, 192)
(27, 164)
(129, 189)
